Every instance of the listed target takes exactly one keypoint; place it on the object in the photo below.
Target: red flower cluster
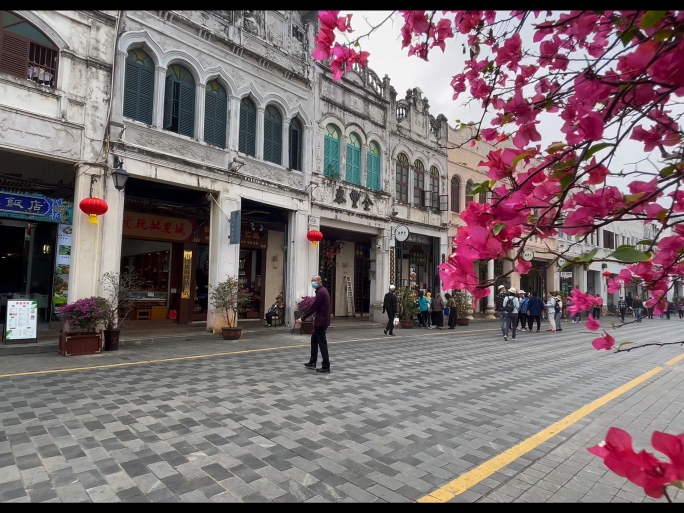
(643, 468)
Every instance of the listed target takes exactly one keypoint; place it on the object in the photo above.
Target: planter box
(407, 324)
(76, 344)
(463, 322)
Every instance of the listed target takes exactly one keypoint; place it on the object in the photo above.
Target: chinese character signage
(254, 239)
(22, 320)
(153, 227)
(35, 207)
(187, 274)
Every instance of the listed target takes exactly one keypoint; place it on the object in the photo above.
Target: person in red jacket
(320, 309)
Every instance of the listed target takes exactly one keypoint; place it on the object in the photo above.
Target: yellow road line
(674, 360)
(194, 357)
(472, 477)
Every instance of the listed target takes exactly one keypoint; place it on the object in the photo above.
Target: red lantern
(315, 237)
(93, 207)
(607, 274)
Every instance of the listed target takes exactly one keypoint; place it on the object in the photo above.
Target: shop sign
(401, 233)
(62, 266)
(566, 274)
(187, 274)
(528, 255)
(36, 207)
(22, 320)
(254, 239)
(154, 227)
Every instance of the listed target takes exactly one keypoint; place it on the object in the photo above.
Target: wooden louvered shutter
(327, 169)
(335, 158)
(353, 171)
(247, 143)
(14, 53)
(131, 91)
(268, 140)
(186, 110)
(276, 142)
(145, 95)
(209, 118)
(373, 179)
(220, 114)
(168, 102)
(295, 148)
(357, 166)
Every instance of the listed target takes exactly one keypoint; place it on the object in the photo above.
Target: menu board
(22, 320)
(62, 265)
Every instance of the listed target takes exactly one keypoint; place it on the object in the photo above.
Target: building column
(233, 135)
(112, 229)
(158, 109)
(307, 151)
(489, 312)
(87, 239)
(117, 99)
(224, 257)
(260, 133)
(380, 276)
(285, 146)
(302, 262)
(200, 97)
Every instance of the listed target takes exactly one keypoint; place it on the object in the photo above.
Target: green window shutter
(295, 148)
(335, 158)
(268, 142)
(131, 91)
(220, 122)
(168, 102)
(272, 141)
(209, 118)
(247, 144)
(373, 171)
(186, 110)
(327, 165)
(145, 95)
(353, 170)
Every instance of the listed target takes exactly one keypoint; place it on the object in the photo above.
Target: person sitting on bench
(276, 309)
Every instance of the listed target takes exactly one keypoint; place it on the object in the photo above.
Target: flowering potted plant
(302, 306)
(229, 298)
(406, 306)
(464, 307)
(84, 317)
(119, 302)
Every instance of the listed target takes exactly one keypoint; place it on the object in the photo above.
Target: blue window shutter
(168, 102)
(209, 118)
(145, 95)
(335, 158)
(357, 166)
(131, 91)
(221, 109)
(186, 110)
(327, 164)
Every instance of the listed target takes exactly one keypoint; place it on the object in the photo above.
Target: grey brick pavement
(396, 418)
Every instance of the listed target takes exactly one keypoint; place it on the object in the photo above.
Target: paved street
(418, 417)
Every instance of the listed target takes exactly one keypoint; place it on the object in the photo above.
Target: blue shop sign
(35, 207)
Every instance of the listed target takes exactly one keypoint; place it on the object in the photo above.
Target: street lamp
(119, 175)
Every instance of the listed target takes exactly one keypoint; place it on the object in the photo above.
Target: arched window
(373, 166)
(26, 52)
(402, 178)
(215, 111)
(353, 171)
(483, 197)
(433, 187)
(331, 152)
(247, 143)
(469, 192)
(455, 195)
(273, 135)
(418, 183)
(295, 144)
(179, 101)
(138, 86)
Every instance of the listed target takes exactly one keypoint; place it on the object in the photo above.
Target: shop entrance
(535, 279)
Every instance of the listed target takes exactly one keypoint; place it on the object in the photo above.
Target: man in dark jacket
(498, 306)
(389, 305)
(535, 307)
(321, 310)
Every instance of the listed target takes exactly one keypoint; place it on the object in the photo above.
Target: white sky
(434, 77)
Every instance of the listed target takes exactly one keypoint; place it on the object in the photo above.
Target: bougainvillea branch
(614, 79)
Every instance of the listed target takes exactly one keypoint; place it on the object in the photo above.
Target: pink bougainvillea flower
(522, 266)
(617, 442)
(605, 342)
(673, 447)
(597, 173)
(614, 285)
(592, 324)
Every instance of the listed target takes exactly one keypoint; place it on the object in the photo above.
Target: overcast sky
(434, 77)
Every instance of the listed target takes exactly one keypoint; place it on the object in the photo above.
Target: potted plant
(119, 300)
(406, 306)
(80, 322)
(229, 298)
(303, 305)
(464, 307)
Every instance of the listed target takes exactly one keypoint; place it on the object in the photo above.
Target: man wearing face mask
(321, 310)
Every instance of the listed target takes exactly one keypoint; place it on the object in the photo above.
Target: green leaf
(651, 18)
(663, 35)
(625, 344)
(566, 180)
(589, 256)
(662, 215)
(668, 170)
(498, 228)
(629, 254)
(595, 149)
(645, 242)
(519, 158)
(678, 484)
(627, 36)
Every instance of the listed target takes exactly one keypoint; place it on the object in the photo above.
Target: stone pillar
(490, 312)
(87, 239)
(285, 146)
(380, 277)
(260, 133)
(112, 229)
(233, 135)
(159, 84)
(118, 87)
(200, 97)
(307, 151)
(302, 262)
(224, 257)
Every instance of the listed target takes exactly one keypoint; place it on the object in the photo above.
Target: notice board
(22, 320)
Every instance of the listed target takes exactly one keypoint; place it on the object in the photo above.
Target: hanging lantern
(607, 274)
(93, 207)
(315, 237)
